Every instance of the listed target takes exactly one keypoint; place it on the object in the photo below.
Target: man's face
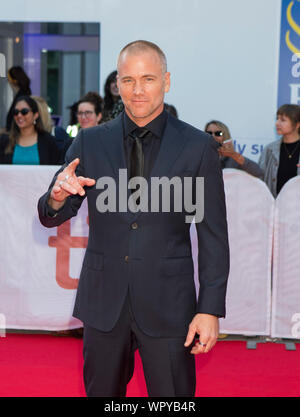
(142, 85)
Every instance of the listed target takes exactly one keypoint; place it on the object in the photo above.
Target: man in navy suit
(136, 288)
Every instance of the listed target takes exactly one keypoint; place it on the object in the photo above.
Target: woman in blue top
(28, 143)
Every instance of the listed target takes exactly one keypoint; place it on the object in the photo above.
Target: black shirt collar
(156, 126)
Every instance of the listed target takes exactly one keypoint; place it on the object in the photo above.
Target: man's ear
(167, 81)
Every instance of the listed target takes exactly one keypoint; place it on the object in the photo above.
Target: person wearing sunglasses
(229, 158)
(28, 143)
(89, 110)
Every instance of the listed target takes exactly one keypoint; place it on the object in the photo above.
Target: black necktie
(137, 154)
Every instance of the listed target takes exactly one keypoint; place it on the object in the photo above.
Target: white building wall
(223, 55)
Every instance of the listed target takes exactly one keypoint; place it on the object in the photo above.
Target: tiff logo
(63, 243)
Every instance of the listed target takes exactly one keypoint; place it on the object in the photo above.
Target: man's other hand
(207, 327)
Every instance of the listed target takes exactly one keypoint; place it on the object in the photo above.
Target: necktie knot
(140, 132)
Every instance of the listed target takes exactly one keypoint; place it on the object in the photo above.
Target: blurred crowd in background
(33, 137)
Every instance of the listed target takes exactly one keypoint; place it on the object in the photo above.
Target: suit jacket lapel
(170, 150)
(113, 144)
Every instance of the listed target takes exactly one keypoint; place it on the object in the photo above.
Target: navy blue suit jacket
(153, 259)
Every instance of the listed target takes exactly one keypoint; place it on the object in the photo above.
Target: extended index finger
(72, 166)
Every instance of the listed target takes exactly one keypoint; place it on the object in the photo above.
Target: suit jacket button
(126, 258)
(134, 226)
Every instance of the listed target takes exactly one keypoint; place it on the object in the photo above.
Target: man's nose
(138, 88)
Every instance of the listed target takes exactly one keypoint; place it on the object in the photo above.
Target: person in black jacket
(28, 143)
(136, 287)
(20, 83)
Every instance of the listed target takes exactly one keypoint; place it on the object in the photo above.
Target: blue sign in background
(289, 59)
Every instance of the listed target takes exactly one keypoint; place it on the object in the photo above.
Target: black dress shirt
(151, 142)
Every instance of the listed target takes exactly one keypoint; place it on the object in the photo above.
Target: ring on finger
(202, 344)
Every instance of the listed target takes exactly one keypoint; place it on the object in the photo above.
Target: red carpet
(50, 366)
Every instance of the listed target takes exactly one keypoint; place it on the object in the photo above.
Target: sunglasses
(22, 111)
(218, 133)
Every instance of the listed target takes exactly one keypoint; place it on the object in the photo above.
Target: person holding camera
(229, 158)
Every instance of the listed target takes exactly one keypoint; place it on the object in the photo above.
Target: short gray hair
(142, 46)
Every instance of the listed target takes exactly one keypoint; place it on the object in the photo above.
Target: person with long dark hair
(20, 83)
(113, 104)
(28, 143)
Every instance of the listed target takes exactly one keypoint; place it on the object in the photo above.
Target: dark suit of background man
(136, 287)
